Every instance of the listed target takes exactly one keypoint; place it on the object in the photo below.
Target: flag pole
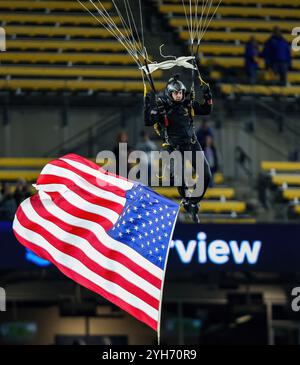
(163, 282)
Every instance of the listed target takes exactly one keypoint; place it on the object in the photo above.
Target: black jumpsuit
(181, 131)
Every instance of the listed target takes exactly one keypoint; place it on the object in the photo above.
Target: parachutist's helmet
(174, 84)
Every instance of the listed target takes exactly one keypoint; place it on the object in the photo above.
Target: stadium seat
(286, 179)
(82, 58)
(249, 24)
(33, 18)
(228, 89)
(219, 207)
(75, 85)
(49, 5)
(249, 2)
(23, 162)
(223, 36)
(212, 193)
(240, 11)
(94, 46)
(291, 194)
(48, 31)
(63, 72)
(297, 209)
(280, 166)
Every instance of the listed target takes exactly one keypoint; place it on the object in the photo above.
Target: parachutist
(172, 115)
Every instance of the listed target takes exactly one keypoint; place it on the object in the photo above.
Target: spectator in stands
(147, 146)
(122, 138)
(204, 131)
(8, 205)
(210, 152)
(251, 60)
(277, 55)
(22, 191)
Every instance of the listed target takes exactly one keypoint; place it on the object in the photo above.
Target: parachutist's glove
(207, 95)
(160, 107)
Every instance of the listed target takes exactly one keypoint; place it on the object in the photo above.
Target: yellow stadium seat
(291, 194)
(31, 31)
(95, 46)
(281, 3)
(52, 18)
(213, 220)
(228, 89)
(237, 62)
(95, 85)
(286, 179)
(86, 58)
(241, 11)
(280, 166)
(212, 193)
(51, 5)
(241, 24)
(11, 162)
(115, 72)
(232, 36)
(218, 207)
(297, 209)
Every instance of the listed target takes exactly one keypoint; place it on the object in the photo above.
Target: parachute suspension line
(128, 41)
(124, 24)
(131, 24)
(199, 24)
(115, 31)
(187, 21)
(197, 27)
(133, 43)
(206, 12)
(112, 28)
(142, 30)
(210, 20)
(192, 23)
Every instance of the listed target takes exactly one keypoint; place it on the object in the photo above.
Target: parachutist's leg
(207, 175)
(191, 204)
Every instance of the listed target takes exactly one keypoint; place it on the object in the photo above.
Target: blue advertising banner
(260, 247)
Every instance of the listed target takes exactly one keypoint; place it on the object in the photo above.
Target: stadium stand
(223, 46)
(46, 45)
(283, 179)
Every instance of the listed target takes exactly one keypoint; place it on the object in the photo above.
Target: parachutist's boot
(195, 212)
(192, 209)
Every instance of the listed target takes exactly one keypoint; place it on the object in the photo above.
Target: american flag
(105, 232)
